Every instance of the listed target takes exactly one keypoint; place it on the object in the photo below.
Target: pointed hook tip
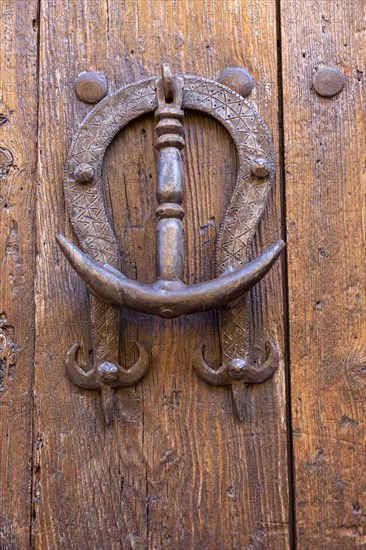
(214, 377)
(62, 241)
(257, 375)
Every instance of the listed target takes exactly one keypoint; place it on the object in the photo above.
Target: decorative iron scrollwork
(99, 263)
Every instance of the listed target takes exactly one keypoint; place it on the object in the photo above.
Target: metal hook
(238, 373)
(106, 376)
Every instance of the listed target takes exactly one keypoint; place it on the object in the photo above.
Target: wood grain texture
(18, 156)
(326, 212)
(176, 470)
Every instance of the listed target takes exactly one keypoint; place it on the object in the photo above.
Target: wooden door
(177, 469)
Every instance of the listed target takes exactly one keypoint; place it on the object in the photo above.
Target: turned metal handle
(170, 181)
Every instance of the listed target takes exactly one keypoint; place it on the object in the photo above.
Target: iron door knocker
(99, 264)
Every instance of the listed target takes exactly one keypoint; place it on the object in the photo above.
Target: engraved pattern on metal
(95, 234)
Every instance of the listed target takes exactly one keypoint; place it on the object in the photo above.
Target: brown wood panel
(176, 470)
(18, 156)
(325, 199)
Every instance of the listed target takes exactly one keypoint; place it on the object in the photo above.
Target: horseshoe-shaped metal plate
(85, 201)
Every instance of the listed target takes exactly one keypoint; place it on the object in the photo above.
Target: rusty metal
(169, 296)
(238, 79)
(328, 81)
(91, 87)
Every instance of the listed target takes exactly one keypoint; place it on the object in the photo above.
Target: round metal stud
(328, 81)
(107, 372)
(84, 173)
(238, 79)
(91, 87)
(236, 368)
(259, 168)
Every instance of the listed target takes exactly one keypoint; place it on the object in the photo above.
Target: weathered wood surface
(18, 156)
(177, 470)
(326, 213)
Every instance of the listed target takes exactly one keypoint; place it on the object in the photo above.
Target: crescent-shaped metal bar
(105, 376)
(247, 373)
(110, 374)
(168, 298)
(237, 373)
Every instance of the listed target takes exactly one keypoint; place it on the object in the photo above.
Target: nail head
(329, 81)
(238, 79)
(236, 368)
(91, 87)
(260, 168)
(107, 372)
(84, 173)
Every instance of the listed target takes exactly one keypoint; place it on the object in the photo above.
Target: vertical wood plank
(176, 470)
(18, 156)
(326, 212)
